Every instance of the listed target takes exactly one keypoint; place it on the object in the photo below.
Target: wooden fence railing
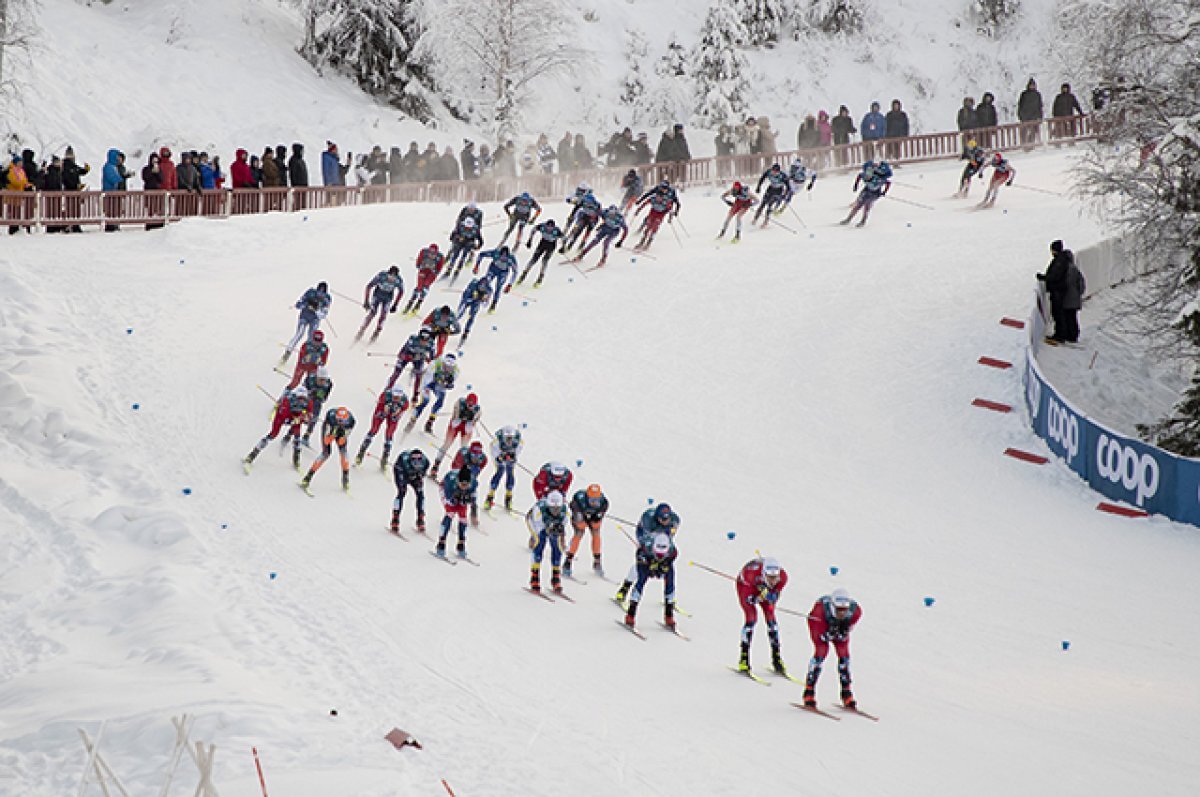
(56, 209)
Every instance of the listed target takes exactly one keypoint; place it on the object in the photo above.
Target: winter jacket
(967, 118)
(766, 137)
(874, 126)
(566, 156)
(1029, 106)
(449, 167)
(72, 173)
(1065, 104)
(641, 152)
(170, 181)
(808, 137)
(331, 169)
(824, 129)
(188, 177)
(208, 176)
(1065, 282)
(17, 181)
(297, 168)
(281, 163)
(583, 157)
(470, 164)
(240, 171)
(396, 173)
(842, 128)
(985, 114)
(897, 124)
(53, 178)
(270, 173)
(111, 175)
(152, 180)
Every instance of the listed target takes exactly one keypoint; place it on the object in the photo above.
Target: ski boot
(296, 457)
(810, 696)
(556, 579)
(429, 424)
(669, 615)
(848, 698)
(474, 516)
(387, 452)
(508, 500)
(441, 547)
(490, 500)
(362, 452)
(307, 480)
(737, 237)
(744, 659)
(535, 578)
(631, 614)
(623, 591)
(304, 440)
(777, 662)
(395, 525)
(253, 455)
(538, 283)
(433, 471)
(346, 480)
(461, 549)
(420, 524)
(567, 565)
(597, 566)
(521, 278)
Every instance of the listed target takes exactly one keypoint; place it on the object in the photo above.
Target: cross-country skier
(313, 307)
(475, 459)
(292, 410)
(588, 508)
(313, 354)
(409, 471)
(388, 409)
(656, 520)
(438, 380)
(798, 174)
(443, 323)
(550, 235)
(381, 296)
(476, 295)
(760, 583)
(778, 186)
(739, 199)
(655, 559)
(458, 493)
(335, 430)
(429, 265)
(976, 159)
(472, 211)
(612, 222)
(463, 417)
(581, 190)
(1003, 173)
(583, 219)
(465, 239)
(876, 180)
(522, 209)
(831, 619)
(506, 449)
(547, 523)
(632, 185)
(662, 200)
(418, 350)
(502, 269)
(319, 385)
(552, 476)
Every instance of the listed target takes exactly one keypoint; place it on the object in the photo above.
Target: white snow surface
(809, 392)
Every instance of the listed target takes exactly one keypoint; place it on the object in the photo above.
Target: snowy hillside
(223, 74)
(809, 393)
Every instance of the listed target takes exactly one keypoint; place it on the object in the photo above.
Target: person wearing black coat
(985, 117)
(395, 166)
(1065, 106)
(566, 154)
(895, 126)
(412, 160)
(1029, 109)
(468, 161)
(1066, 286)
(53, 182)
(72, 172)
(297, 168)
(281, 162)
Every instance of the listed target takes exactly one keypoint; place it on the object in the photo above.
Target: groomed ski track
(809, 392)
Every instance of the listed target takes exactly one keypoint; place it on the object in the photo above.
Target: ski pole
(379, 354)
(1039, 190)
(258, 765)
(685, 230)
(714, 571)
(781, 224)
(265, 393)
(797, 215)
(344, 296)
(909, 202)
(331, 329)
(908, 185)
(678, 240)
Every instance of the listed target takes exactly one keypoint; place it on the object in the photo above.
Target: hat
(1056, 246)
(70, 151)
(678, 126)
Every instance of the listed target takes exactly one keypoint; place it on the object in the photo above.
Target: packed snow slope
(809, 392)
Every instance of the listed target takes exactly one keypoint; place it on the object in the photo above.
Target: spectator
(32, 172)
(1066, 286)
(581, 153)
(808, 137)
(470, 164)
(169, 181)
(332, 172)
(673, 147)
(113, 178)
(897, 127)
(641, 150)
(110, 175)
(566, 154)
(842, 126)
(429, 165)
(825, 129)
(1065, 106)
(256, 172)
(396, 166)
(752, 137)
(281, 160)
(52, 181)
(16, 180)
(187, 174)
(546, 154)
(528, 159)
(874, 127)
(208, 175)
(271, 177)
(767, 136)
(724, 141)
(152, 177)
(967, 122)
(297, 169)
(240, 171)
(72, 172)
(741, 140)
(1029, 110)
(985, 120)
(487, 164)
(411, 160)
(506, 160)
(218, 175)
(377, 163)
(363, 175)
(449, 165)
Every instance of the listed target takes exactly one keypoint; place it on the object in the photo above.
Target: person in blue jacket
(110, 179)
(778, 187)
(458, 494)
(332, 171)
(876, 180)
(657, 520)
(502, 269)
(522, 209)
(612, 222)
(874, 125)
(313, 307)
(550, 234)
(476, 295)
(208, 175)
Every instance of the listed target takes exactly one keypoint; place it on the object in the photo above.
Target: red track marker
(1123, 511)
(1012, 322)
(1025, 456)
(991, 405)
(994, 363)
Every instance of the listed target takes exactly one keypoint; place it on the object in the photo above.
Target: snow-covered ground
(809, 392)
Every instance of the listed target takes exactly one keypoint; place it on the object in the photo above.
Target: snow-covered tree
(490, 54)
(720, 67)
(633, 86)
(674, 62)
(669, 97)
(372, 41)
(833, 16)
(992, 17)
(763, 20)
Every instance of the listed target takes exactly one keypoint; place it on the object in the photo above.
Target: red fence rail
(56, 209)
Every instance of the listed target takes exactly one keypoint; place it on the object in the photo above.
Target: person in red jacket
(760, 583)
(831, 619)
(292, 410)
(391, 405)
(429, 265)
(240, 171)
(313, 354)
(466, 414)
(170, 180)
(552, 476)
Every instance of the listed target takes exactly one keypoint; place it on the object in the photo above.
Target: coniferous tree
(721, 69)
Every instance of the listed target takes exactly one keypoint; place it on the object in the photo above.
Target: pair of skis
(810, 709)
